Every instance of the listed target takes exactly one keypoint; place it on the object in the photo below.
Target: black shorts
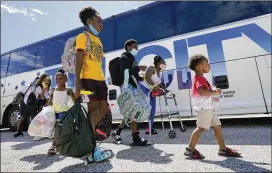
(99, 89)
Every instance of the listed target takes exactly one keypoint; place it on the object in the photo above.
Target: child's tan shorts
(206, 118)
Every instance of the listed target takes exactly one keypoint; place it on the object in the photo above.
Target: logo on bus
(213, 41)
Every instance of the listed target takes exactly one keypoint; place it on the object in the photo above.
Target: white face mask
(134, 52)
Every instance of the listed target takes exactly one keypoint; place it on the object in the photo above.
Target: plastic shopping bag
(43, 124)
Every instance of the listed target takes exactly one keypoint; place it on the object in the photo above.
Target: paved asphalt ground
(251, 137)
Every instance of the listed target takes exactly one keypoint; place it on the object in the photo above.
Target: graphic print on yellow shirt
(92, 62)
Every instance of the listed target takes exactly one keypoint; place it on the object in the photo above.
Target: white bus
(235, 36)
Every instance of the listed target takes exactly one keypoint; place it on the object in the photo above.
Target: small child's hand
(219, 91)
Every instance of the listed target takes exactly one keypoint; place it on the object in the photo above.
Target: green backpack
(74, 135)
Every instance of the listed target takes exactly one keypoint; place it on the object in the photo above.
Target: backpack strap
(88, 41)
(27, 91)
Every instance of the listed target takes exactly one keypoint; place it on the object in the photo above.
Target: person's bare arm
(41, 96)
(50, 102)
(149, 72)
(71, 94)
(79, 62)
(203, 91)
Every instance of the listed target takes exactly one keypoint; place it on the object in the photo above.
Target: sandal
(52, 150)
(193, 154)
(99, 155)
(229, 152)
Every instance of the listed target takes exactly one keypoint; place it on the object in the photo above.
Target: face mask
(94, 31)
(134, 52)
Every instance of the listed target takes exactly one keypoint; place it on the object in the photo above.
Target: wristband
(153, 86)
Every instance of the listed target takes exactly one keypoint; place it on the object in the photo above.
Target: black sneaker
(117, 138)
(18, 134)
(193, 154)
(153, 132)
(140, 142)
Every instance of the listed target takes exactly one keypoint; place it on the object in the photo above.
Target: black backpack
(115, 73)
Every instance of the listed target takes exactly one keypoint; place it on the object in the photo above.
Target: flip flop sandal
(99, 156)
(52, 150)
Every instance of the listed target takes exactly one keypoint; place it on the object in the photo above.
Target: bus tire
(12, 118)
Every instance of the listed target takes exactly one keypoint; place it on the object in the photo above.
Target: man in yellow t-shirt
(89, 74)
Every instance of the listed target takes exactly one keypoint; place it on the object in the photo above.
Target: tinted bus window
(107, 35)
(265, 7)
(22, 60)
(145, 25)
(51, 50)
(4, 64)
(194, 16)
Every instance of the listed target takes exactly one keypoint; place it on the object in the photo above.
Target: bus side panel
(244, 94)
(182, 98)
(264, 67)
(3, 106)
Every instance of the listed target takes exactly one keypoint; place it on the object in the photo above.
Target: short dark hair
(158, 60)
(87, 13)
(61, 72)
(129, 43)
(195, 61)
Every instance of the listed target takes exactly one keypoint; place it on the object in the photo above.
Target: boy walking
(202, 100)
(128, 61)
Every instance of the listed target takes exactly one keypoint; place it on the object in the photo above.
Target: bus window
(145, 25)
(107, 35)
(194, 16)
(265, 7)
(4, 64)
(22, 60)
(50, 51)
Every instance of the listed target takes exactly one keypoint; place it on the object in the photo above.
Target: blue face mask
(94, 31)
(134, 52)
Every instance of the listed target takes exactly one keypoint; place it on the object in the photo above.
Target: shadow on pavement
(238, 165)
(145, 154)
(42, 161)
(93, 167)
(30, 144)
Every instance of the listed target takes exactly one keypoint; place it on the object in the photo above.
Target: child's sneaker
(117, 138)
(229, 153)
(193, 154)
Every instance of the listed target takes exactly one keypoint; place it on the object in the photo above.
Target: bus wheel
(13, 117)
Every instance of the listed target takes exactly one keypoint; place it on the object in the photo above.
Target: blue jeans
(152, 103)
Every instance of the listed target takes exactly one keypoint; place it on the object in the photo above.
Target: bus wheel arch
(11, 113)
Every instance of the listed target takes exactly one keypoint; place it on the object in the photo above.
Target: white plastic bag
(43, 124)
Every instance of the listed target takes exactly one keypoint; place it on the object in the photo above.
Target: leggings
(152, 103)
